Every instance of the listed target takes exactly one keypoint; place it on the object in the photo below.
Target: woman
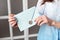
(49, 19)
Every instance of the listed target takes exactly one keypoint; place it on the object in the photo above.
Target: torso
(52, 10)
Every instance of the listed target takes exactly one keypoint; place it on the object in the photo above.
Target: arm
(56, 24)
(45, 20)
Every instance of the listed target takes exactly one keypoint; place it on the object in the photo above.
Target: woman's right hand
(12, 20)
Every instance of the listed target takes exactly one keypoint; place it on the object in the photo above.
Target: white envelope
(24, 17)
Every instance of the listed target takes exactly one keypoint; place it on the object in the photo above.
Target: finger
(39, 21)
(42, 23)
(11, 15)
(10, 20)
(13, 23)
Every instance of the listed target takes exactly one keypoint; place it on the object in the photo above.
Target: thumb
(11, 15)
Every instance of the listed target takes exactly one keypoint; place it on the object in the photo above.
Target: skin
(45, 20)
(39, 21)
(12, 20)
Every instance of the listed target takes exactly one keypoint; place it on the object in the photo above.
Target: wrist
(53, 23)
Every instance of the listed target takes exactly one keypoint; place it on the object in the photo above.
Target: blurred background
(9, 33)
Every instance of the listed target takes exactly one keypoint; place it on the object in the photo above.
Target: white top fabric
(52, 11)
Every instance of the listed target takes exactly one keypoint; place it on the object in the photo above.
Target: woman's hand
(12, 20)
(43, 20)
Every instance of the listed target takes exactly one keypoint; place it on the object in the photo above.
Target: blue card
(23, 18)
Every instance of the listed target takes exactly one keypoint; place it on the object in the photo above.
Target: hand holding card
(25, 20)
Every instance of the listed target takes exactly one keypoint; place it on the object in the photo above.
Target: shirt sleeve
(39, 10)
(39, 7)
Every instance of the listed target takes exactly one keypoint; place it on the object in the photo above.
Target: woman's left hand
(43, 20)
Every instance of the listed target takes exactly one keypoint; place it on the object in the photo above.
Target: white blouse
(52, 11)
